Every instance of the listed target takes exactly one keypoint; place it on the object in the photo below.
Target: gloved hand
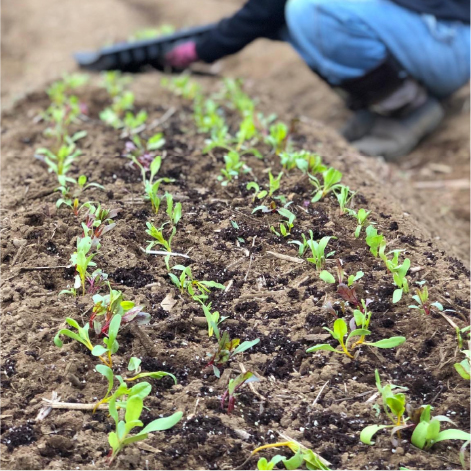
(182, 56)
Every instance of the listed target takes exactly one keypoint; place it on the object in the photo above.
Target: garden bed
(318, 399)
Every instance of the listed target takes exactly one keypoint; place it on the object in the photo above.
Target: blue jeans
(344, 39)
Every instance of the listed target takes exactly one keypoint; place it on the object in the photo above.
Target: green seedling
(375, 241)
(133, 404)
(108, 306)
(285, 226)
(421, 298)
(247, 130)
(310, 163)
(98, 222)
(234, 385)
(331, 178)
(463, 367)
(60, 162)
(258, 194)
(134, 123)
(158, 235)
(114, 115)
(197, 289)
(274, 183)
(344, 196)
(220, 138)
(227, 349)
(82, 337)
(361, 217)
(70, 197)
(144, 150)
(208, 116)
(302, 455)
(114, 82)
(277, 137)
(59, 90)
(174, 212)
(318, 256)
(82, 260)
(426, 429)
(341, 330)
(212, 318)
(182, 86)
(233, 165)
(61, 117)
(398, 271)
(461, 334)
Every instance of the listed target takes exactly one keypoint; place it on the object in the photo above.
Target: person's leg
(371, 49)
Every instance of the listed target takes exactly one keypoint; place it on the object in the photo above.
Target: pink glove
(182, 56)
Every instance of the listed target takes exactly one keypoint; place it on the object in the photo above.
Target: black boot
(393, 112)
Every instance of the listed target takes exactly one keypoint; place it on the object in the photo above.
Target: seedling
(426, 429)
(247, 130)
(463, 368)
(398, 271)
(159, 237)
(278, 137)
(59, 90)
(174, 212)
(111, 305)
(302, 455)
(341, 330)
(134, 405)
(212, 318)
(310, 163)
(258, 194)
(344, 196)
(286, 226)
(96, 281)
(274, 183)
(302, 245)
(182, 86)
(234, 385)
(60, 162)
(83, 337)
(233, 165)
(318, 251)
(421, 298)
(207, 115)
(460, 334)
(114, 115)
(374, 240)
(114, 82)
(98, 222)
(70, 197)
(82, 259)
(331, 179)
(361, 217)
(197, 289)
(143, 150)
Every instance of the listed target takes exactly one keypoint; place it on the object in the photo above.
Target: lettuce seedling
(285, 226)
(134, 405)
(233, 165)
(374, 240)
(302, 455)
(197, 289)
(234, 385)
(344, 196)
(159, 237)
(60, 162)
(421, 298)
(463, 367)
(174, 212)
(112, 305)
(258, 194)
(331, 178)
(318, 251)
(341, 330)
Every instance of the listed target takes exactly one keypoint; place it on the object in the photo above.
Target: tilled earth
(320, 399)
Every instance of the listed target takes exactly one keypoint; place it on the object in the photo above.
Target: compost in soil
(318, 399)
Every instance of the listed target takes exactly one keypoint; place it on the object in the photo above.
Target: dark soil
(319, 399)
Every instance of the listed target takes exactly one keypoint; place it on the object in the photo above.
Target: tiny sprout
(318, 251)
(174, 212)
(286, 226)
(82, 259)
(257, 194)
(60, 162)
(344, 196)
(212, 318)
(361, 217)
(302, 245)
(463, 368)
(234, 385)
(159, 237)
(421, 298)
(274, 183)
(374, 240)
(233, 165)
(398, 271)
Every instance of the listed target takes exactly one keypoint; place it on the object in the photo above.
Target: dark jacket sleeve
(256, 19)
